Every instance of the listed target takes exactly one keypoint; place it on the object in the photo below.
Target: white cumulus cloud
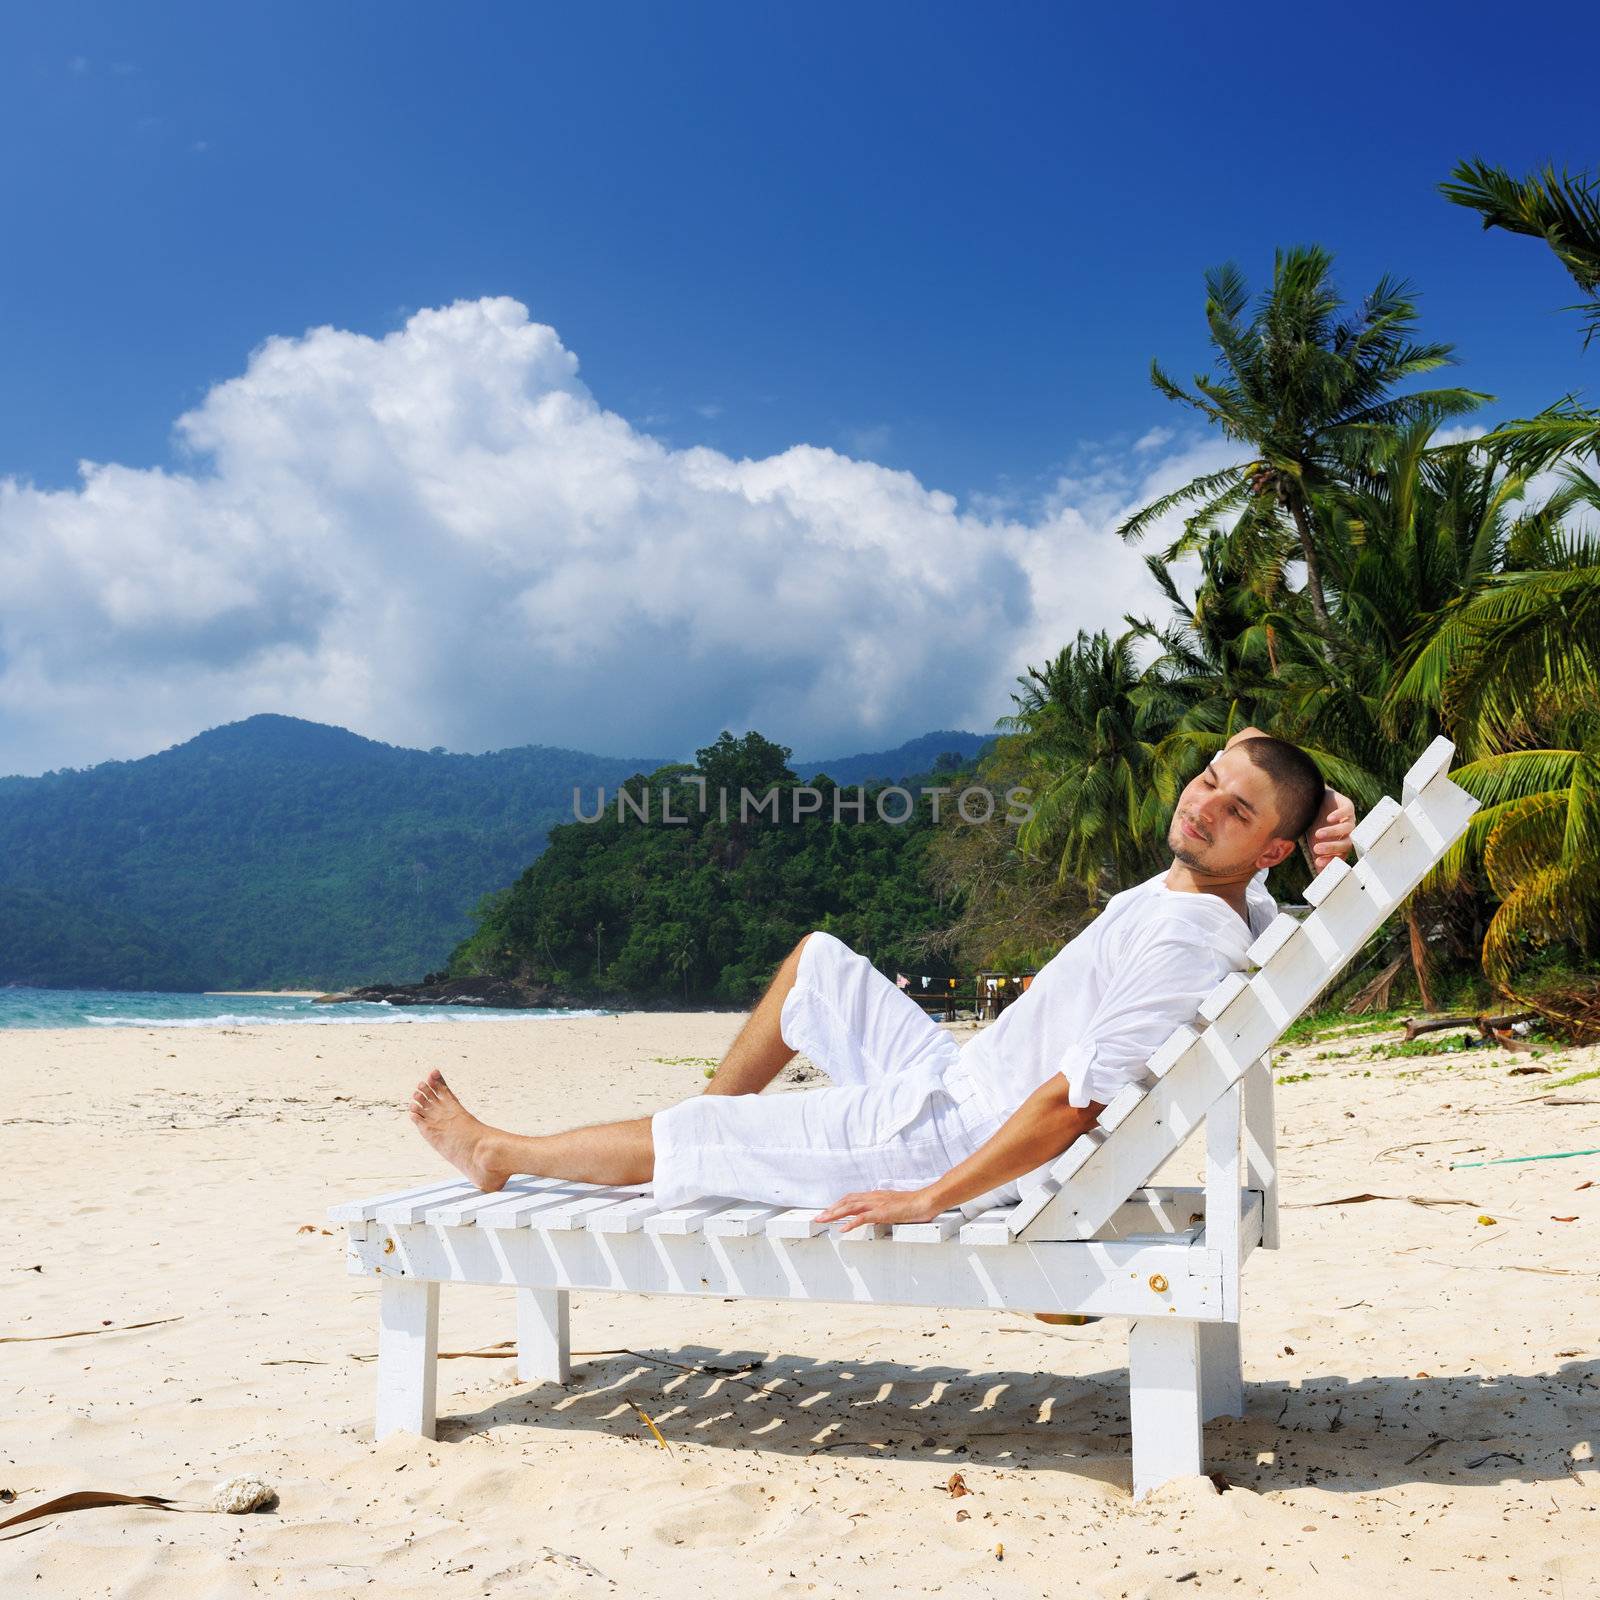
(440, 537)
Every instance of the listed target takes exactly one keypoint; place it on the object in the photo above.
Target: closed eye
(1211, 783)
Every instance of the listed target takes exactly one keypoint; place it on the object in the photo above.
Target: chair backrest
(1397, 843)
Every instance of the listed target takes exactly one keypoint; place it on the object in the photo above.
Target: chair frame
(1096, 1237)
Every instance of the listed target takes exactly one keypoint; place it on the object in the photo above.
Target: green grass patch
(1321, 1026)
(1577, 1077)
(1450, 1044)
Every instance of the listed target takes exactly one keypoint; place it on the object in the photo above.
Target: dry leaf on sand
(79, 1333)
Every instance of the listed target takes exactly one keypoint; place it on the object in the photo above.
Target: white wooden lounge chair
(1093, 1239)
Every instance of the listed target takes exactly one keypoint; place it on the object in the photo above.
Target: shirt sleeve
(1262, 907)
(1160, 977)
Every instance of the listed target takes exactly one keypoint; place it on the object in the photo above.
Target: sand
(1421, 1384)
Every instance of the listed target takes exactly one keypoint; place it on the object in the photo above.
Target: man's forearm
(1037, 1131)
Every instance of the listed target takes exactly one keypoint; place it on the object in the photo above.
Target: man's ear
(1277, 850)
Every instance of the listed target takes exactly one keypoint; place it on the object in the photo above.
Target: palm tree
(1564, 211)
(1514, 668)
(1101, 794)
(1540, 827)
(1421, 531)
(1215, 663)
(1307, 386)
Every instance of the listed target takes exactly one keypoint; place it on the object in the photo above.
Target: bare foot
(470, 1146)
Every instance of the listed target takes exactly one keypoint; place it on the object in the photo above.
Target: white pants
(890, 1119)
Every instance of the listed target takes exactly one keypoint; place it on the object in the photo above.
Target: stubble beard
(1182, 850)
(1190, 856)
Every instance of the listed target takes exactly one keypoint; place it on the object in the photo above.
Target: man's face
(1226, 819)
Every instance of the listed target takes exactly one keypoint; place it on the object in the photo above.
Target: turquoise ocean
(113, 1008)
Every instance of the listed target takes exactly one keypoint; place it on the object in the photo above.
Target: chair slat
(571, 1215)
(401, 1212)
(367, 1210)
(1246, 1026)
(1119, 1105)
(1073, 1157)
(1026, 1209)
(521, 1212)
(1293, 978)
(1276, 935)
(989, 1228)
(861, 1232)
(691, 1218)
(463, 1211)
(797, 1223)
(1326, 881)
(1226, 992)
(1440, 812)
(741, 1221)
(1171, 1049)
(1190, 1045)
(934, 1231)
(1431, 764)
(1375, 824)
(627, 1216)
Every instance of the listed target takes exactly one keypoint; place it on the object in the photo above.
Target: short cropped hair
(1301, 790)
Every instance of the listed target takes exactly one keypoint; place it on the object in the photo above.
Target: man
(914, 1124)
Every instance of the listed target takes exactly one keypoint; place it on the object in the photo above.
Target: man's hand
(881, 1205)
(1329, 833)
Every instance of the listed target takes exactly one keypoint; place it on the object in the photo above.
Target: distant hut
(996, 989)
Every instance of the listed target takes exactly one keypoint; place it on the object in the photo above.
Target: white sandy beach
(1421, 1384)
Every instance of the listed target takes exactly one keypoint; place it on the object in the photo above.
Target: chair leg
(544, 1343)
(408, 1351)
(1164, 1400)
(1221, 1377)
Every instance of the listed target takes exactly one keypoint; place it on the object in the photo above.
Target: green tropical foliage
(1435, 594)
(632, 907)
(1103, 799)
(1306, 383)
(1563, 211)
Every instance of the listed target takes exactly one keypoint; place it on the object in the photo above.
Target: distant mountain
(914, 759)
(272, 851)
(48, 942)
(281, 852)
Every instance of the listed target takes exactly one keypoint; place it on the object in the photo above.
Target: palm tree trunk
(1308, 549)
(1419, 956)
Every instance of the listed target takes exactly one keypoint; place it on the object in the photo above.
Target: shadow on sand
(1330, 1431)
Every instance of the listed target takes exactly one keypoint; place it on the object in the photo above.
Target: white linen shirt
(1098, 1009)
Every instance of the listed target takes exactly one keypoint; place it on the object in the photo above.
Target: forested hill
(701, 909)
(269, 852)
(280, 852)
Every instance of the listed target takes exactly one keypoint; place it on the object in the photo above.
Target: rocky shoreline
(498, 994)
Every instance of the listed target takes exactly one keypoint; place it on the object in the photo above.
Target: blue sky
(947, 237)
(946, 240)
